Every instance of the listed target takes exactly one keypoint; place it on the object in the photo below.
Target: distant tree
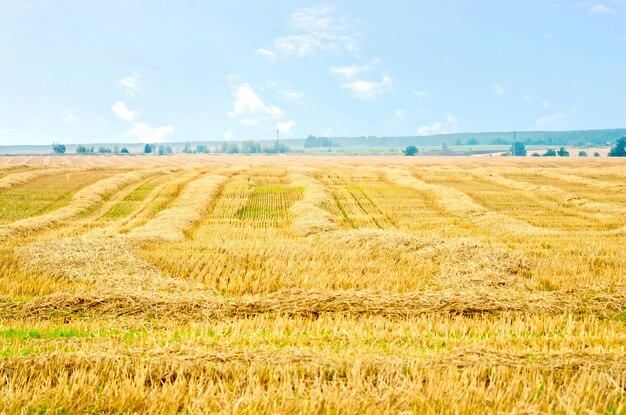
(58, 148)
(519, 149)
(147, 149)
(444, 147)
(582, 153)
(202, 149)
(161, 150)
(620, 148)
(499, 141)
(169, 150)
(250, 146)
(311, 142)
(596, 154)
(458, 142)
(550, 153)
(562, 152)
(124, 150)
(473, 142)
(116, 149)
(276, 148)
(187, 149)
(80, 149)
(535, 155)
(104, 150)
(232, 149)
(410, 151)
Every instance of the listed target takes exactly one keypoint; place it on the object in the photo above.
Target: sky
(151, 71)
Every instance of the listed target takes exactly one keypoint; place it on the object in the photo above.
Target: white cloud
(314, 29)
(228, 135)
(361, 88)
(601, 9)
(266, 53)
(499, 89)
(249, 121)
(69, 118)
(285, 127)
(439, 127)
(144, 133)
(368, 90)
(431, 129)
(559, 121)
(528, 99)
(131, 84)
(546, 104)
(400, 113)
(622, 38)
(122, 112)
(247, 102)
(292, 96)
(350, 72)
(418, 93)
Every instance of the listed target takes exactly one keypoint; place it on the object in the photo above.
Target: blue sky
(147, 71)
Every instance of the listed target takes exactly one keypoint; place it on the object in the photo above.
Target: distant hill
(552, 138)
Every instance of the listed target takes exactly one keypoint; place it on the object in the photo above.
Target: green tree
(124, 150)
(562, 152)
(232, 149)
(550, 153)
(519, 149)
(582, 153)
(596, 154)
(410, 151)
(620, 148)
(250, 146)
(535, 155)
(473, 142)
(80, 149)
(147, 149)
(202, 149)
(187, 149)
(58, 148)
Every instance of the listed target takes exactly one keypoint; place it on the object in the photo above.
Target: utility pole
(514, 151)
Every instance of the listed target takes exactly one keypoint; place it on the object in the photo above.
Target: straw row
(308, 215)
(460, 204)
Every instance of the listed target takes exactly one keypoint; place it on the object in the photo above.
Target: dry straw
(308, 215)
(16, 179)
(81, 201)
(536, 191)
(170, 224)
(199, 306)
(461, 204)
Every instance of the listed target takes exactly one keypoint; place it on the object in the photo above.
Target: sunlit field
(304, 284)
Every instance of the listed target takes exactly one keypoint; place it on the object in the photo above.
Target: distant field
(326, 284)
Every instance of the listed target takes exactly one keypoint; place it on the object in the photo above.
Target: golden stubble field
(241, 284)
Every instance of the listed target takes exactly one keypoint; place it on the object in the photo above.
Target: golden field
(289, 284)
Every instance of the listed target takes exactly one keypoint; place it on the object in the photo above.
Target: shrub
(620, 148)
(582, 153)
(562, 152)
(124, 150)
(550, 153)
(596, 154)
(58, 148)
(410, 151)
(535, 155)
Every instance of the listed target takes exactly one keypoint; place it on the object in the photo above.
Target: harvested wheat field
(298, 284)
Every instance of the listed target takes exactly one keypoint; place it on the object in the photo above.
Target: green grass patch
(270, 203)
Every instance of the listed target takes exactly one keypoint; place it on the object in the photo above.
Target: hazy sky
(128, 71)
